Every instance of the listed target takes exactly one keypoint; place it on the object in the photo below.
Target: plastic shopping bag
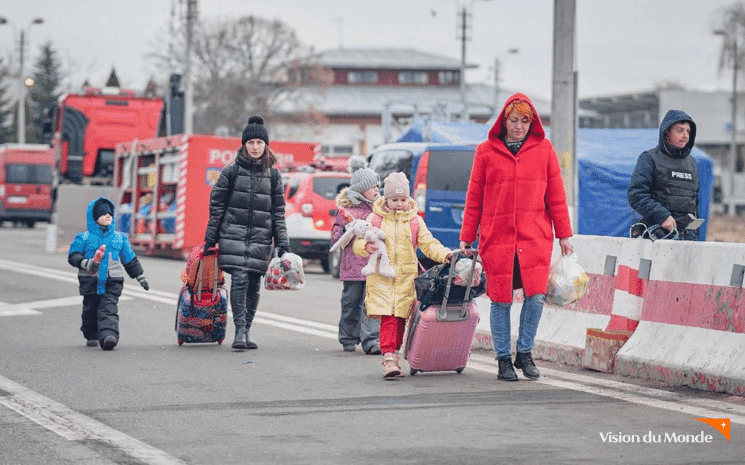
(430, 287)
(567, 281)
(285, 274)
(462, 273)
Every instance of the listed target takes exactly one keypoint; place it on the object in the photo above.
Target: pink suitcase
(439, 337)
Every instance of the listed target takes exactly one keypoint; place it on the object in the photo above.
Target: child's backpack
(377, 220)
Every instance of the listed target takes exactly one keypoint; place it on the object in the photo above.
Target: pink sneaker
(390, 365)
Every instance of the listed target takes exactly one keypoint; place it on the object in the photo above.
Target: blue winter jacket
(119, 255)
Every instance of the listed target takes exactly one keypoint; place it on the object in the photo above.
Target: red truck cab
(88, 126)
(26, 183)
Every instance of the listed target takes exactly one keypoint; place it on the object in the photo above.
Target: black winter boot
(506, 372)
(241, 337)
(249, 343)
(524, 362)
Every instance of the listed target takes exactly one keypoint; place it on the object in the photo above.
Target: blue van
(438, 175)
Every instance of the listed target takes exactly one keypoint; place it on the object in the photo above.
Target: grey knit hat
(363, 178)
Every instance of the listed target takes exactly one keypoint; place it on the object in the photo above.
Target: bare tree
(730, 23)
(240, 67)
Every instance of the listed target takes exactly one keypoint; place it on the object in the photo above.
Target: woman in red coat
(515, 195)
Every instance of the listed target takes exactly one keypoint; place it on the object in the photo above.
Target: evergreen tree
(113, 79)
(7, 117)
(43, 95)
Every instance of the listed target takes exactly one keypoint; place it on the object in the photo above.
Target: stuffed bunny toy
(365, 230)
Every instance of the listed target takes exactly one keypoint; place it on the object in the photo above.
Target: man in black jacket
(664, 186)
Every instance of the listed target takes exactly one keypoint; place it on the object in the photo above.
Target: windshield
(28, 174)
(449, 170)
(386, 162)
(328, 187)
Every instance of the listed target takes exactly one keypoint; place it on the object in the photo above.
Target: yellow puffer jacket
(396, 296)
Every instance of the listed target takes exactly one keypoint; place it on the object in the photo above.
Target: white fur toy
(365, 230)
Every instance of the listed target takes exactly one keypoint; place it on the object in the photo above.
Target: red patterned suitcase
(439, 337)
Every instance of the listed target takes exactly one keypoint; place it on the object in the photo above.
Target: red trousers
(391, 333)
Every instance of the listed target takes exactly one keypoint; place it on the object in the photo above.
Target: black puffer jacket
(245, 215)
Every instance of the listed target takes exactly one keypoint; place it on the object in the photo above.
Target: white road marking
(667, 400)
(31, 308)
(16, 310)
(74, 426)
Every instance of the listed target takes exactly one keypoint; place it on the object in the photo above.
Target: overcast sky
(622, 45)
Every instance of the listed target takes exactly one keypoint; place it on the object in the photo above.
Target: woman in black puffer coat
(247, 212)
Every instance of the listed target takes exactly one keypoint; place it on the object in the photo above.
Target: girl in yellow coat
(392, 299)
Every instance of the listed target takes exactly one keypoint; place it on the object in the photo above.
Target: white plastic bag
(285, 274)
(567, 281)
(463, 272)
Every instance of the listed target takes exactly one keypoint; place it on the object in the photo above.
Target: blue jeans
(530, 316)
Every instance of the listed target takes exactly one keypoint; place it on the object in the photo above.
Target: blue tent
(606, 159)
(436, 131)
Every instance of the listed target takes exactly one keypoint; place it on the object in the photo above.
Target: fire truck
(164, 186)
(25, 183)
(88, 126)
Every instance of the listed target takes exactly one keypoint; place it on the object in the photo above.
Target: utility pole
(564, 100)
(191, 17)
(463, 39)
(22, 98)
(732, 204)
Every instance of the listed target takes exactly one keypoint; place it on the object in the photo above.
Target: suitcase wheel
(180, 342)
(413, 372)
(219, 342)
(459, 370)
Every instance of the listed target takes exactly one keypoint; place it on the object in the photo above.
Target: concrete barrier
(692, 327)
(682, 303)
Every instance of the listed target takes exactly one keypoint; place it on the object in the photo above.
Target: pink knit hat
(395, 184)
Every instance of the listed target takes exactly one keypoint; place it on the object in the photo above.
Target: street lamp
(733, 144)
(21, 80)
(497, 64)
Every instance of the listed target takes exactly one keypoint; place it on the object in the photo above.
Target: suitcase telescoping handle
(200, 274)
(442, 312)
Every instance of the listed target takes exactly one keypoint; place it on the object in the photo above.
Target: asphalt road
(299, 399)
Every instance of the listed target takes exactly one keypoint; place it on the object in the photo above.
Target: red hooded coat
(511, 203)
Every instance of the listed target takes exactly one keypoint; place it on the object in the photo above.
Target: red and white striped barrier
(183, 165)
(628, 299)
(692, 327)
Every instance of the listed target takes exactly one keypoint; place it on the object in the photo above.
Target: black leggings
(244, 296)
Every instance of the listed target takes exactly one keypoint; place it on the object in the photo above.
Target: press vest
(676, 186)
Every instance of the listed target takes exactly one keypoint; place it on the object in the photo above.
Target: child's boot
(390, 365)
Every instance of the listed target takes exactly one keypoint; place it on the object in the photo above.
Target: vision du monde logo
(720, 424)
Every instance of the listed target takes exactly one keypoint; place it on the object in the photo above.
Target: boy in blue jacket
(101, 282)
